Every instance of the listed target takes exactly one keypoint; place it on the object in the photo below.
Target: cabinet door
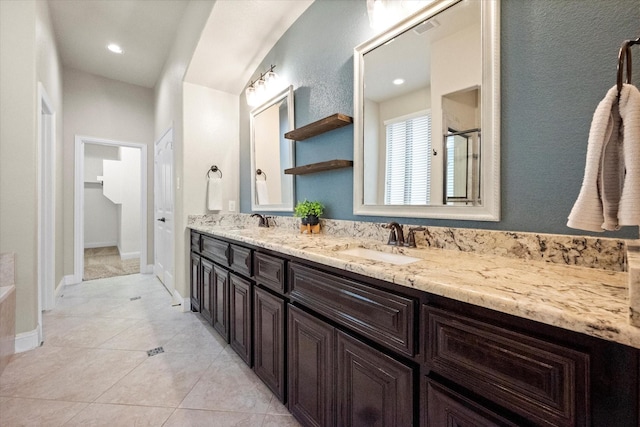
(310, 367)
(206, 300)
(240, 317)
(373, 389)
(220, 305)
(447, 408)
(195, 282)
(268, 342)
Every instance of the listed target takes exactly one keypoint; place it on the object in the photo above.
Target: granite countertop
(586, 300)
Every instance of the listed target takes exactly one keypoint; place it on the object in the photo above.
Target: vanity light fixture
(262, 89)
(115, 48)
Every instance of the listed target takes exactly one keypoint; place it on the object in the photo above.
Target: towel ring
(261, 172)
(624, 54)
(214, 168)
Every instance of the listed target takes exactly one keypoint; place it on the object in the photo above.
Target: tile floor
(93, 368)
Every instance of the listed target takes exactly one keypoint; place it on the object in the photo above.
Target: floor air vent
(155, 351)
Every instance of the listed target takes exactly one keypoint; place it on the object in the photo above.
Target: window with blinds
(408, 165)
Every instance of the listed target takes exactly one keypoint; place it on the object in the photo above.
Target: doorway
(111, 211)
(112, 228)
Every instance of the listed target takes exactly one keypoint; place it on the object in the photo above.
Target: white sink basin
(397, 259)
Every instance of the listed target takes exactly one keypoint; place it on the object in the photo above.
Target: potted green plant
(309, 212)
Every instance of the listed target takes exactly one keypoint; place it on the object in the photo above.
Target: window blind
(408, 166)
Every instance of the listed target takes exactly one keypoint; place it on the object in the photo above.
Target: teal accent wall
(558, 60)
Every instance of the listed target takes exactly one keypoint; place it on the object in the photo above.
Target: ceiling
(236, 38)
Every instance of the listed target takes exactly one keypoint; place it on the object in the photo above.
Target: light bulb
(271, 80)
(260, 88)
(251, 96)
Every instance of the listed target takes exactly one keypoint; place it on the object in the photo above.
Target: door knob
(162, 219)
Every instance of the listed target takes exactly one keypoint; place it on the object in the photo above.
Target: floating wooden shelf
(321, 126)
(319, 167)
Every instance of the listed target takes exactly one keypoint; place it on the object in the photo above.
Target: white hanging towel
(607, 195)
(629, 209)
(214, 193)
(262, 192)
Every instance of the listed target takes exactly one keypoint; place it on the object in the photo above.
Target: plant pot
(304, 220)
(312, 220)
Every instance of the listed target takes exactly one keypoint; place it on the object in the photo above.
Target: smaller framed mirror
(272, 153)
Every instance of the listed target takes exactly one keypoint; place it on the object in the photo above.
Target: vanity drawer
(539, 380)
(216, 250)
(240, 260)
(377, 314)
(195, 241)
(269, 271)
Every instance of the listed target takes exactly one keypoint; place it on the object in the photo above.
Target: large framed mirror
(272, 153)
(427, 115)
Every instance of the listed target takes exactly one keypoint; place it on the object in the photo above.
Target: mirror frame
(490, 123)
(281, 207)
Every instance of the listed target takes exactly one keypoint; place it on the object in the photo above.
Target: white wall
(101, 226)
(169, 113)
(210, 137)
(129, 241)
(18, 153)
(452, 73)
(106, 109)
(49, 73)
(27, 55)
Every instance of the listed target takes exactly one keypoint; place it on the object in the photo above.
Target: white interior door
(164, 223)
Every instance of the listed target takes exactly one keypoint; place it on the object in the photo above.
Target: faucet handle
(262, 222)
(411, 237)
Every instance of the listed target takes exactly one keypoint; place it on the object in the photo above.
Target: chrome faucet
(396, 236)
(264, 220)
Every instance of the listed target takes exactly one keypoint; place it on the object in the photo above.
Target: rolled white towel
(214, 193)
(262, 192)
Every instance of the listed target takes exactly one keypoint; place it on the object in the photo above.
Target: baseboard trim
(66, 280)
(185, 303)
(26, 341)
(129, 255)
(100, 245)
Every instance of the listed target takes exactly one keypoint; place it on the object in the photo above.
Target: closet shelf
(321, 126)
(319, 167)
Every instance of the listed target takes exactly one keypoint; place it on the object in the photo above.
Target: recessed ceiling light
(115, 48)
(398, 81)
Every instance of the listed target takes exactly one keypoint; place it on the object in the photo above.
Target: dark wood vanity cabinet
(311, 357)
(539, 380)
(208, 277)
(195, 282)
(373, 388)
(240, 325)
(336, 379)
(220, 304)
(445, 407)
(269, 315)
(342, 349)
(221, 289)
